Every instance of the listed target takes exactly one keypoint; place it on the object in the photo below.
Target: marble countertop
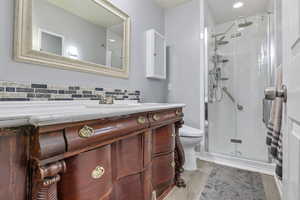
(13, 114)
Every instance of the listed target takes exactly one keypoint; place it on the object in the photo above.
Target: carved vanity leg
(179, 157)
(45, 179)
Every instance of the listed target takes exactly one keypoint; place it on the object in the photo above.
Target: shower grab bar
(239, 107)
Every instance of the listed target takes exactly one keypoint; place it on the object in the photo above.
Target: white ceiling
(223, 11)
(170, 3)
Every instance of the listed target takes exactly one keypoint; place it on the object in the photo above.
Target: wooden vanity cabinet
(131, 157)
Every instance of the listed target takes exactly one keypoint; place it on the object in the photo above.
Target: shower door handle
(272, 93)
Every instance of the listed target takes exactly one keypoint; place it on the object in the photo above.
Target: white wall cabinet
(156, 55)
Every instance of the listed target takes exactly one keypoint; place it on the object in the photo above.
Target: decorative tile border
(10, 91)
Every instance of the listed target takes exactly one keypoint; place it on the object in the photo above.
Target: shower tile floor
(216, 182)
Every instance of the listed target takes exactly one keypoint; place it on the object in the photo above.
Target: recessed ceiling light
(238, 4)
(112, 40)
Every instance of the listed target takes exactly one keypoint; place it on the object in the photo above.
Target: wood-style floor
(196, 181)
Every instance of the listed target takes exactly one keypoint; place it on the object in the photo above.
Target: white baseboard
(255, 166)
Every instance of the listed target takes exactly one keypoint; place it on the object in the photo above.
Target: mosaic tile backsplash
(10, 91)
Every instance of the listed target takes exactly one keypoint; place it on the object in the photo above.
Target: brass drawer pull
(173, 164)
(141, 120)
(156, 117)
(98, 172)
(86, 132)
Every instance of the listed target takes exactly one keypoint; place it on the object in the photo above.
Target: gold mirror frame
(23, 51)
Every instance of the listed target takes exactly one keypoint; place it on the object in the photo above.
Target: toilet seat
(190, 132)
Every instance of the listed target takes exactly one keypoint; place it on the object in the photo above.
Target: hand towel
(274, 133)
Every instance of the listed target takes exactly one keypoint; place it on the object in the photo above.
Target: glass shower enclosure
(239, 68)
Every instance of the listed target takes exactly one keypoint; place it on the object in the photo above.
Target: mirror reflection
(80, 30)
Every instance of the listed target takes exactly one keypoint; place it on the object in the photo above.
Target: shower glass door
(238, 72)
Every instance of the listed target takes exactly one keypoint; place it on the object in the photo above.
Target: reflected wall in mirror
(91, 35)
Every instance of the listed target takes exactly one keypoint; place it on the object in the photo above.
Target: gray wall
(78, 32)
(86, 36)
(144, 14)
(182, 29)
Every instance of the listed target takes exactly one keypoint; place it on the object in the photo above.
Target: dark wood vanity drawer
(163, 173)
(129, 156)
(163, 139)
(48, 144)
(161, 117)
(92, 133)
(130, 188)
(88, 176)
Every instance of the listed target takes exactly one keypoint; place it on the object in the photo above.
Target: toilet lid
(187, 131)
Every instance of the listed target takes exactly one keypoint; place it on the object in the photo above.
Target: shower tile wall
(247, 73)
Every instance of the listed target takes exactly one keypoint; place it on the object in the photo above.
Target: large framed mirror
(90, 36)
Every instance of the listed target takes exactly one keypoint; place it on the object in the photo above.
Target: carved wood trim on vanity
(179, 157)
(45, 179)
(119, 158)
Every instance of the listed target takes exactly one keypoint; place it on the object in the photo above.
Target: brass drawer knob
(141, 120)
(156, 117)
(173, 164)
(86, 132)
(98, 172)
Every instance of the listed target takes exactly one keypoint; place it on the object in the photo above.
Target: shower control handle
(272, 93)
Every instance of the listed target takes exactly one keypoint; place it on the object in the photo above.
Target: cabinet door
(129, 156)
(156, 55)
(164, 139)
(130, 188)
(88, 176)
(159, 56)
(129, 166)
(163, 172)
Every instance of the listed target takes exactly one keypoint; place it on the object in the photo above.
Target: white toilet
(190, 138)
